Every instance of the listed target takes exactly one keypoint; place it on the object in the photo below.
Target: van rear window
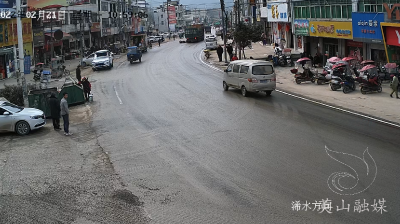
(263, 70)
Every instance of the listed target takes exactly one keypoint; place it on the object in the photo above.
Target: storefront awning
(66, 36)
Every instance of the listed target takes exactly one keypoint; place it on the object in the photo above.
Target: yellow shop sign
(341, 30)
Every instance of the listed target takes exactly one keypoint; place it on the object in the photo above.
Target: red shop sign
(351, 43)
(393, 36)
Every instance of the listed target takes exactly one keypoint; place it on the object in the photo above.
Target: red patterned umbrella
(365, 68)
(348, 59)
(391, 65)
(367, 62)
(338, 65)
(303, 59)
(334, 59)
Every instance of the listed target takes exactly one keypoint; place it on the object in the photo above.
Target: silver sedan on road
(19, 119)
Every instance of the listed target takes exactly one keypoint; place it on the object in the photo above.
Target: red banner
(393, 36)
(171, 14)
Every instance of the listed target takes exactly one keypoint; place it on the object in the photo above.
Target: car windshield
(11, 107)
(101, 54)
(263, 70)
(132, 51)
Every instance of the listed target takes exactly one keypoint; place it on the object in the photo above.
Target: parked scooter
(323, 78)
(337, 76)
(348, 84)
(368, 85)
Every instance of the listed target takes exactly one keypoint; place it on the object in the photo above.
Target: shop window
(336, 11)
(328, 12)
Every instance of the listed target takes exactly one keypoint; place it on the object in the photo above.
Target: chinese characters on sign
(370, 23)
(277, 12)
(325, 205)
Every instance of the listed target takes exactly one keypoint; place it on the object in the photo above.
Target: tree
(245, 34)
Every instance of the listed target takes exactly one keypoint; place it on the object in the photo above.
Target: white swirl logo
(364, 177)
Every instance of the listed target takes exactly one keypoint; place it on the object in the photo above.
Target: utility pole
(21, 54)
(82, 26)
(224, 27)
(169, 31)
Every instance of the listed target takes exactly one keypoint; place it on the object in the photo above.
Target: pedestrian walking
(78, 73)
(219, 52)
(65, 114)
(229, 49)
(159, 42)
(264, 39)
(55, 111)
(394, 85)
(86, 87)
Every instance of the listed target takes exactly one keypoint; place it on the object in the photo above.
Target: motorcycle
(306, 75)
(387, 71)
(337, 77)
(323, 78)
(37, 75)
(348, 84)
(371, 74)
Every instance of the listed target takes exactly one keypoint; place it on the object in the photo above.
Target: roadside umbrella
(391, 65)
(367, 62)
(303, 59)
(348, 59)
(334, 59)
(338, 65)
(365, 68)
(40, 64)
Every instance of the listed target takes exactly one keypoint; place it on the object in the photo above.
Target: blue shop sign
(367, 26)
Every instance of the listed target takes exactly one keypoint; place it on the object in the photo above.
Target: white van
(211, 43)
(250, 76)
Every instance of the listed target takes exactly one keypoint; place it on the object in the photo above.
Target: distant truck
(194, 33)
(140, 41)
(207, 29)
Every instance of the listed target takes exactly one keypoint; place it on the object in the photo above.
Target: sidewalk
(70, 65)
(378, 105)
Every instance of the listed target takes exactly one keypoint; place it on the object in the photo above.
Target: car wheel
(112, 64)
(83, 64)
(226, 87)
(268, 93)
(22, 128)
(244, 91)
(140, 59)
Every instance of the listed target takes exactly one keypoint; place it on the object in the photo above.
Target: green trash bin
(75, 94)
(39, 99)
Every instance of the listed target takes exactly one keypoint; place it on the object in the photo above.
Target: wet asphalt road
(196, 154)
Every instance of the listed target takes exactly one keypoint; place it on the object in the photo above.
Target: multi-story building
(348, 28)
(169, 17)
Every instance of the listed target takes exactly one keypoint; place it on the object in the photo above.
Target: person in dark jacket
(229, 49)
(86, 87)
(78, 73)
(55, 109)
(219, 52)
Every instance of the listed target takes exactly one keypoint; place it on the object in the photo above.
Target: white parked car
(102, 59)
(211, 43)
(88, 60)
(21, 120)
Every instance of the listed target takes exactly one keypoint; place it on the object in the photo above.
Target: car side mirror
(6, 113)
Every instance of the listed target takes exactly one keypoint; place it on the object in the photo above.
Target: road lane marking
(319, 103)
(121, 64)
(116, 93)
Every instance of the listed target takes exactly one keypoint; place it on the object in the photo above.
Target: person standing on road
(78, 73)
(394, 85)
(159, 42)
(219, 52)
(55, 111)
(229, 49)
(65, 114)
(86, 87)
